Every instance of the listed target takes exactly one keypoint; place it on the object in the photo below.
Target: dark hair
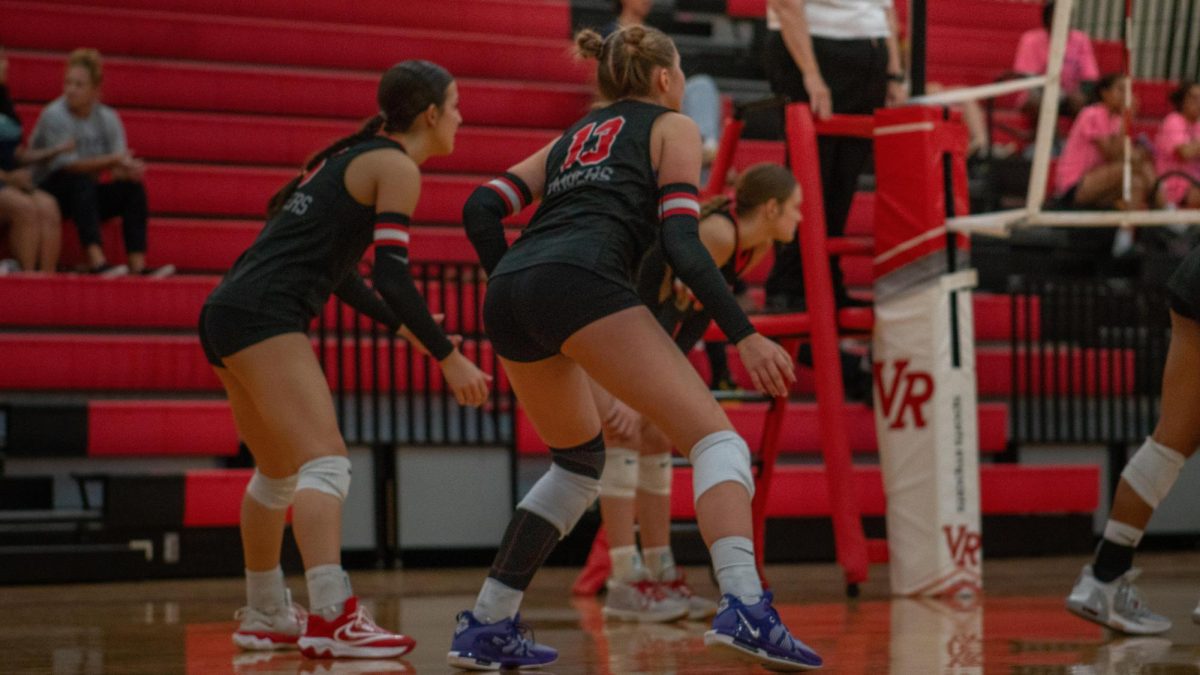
(1107, 81)
(756, 186)
(1178, 96)
(406, 90)
(618, 6)
(626, 59)
(1048, 14)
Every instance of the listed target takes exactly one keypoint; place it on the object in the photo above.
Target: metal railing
(1087, 362)
(388, 395)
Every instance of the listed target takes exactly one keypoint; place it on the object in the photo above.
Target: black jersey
(685, 322)
(600, 205)
(306, 249)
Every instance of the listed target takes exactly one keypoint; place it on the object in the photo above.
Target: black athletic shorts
(226, 330)
(530, 313)
(1184, 286)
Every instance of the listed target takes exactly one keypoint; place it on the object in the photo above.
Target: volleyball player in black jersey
(1104, 592)
(561, 307)
(359, 190)
(637, 469)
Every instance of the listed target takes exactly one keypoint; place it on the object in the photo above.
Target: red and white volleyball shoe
(353, 635)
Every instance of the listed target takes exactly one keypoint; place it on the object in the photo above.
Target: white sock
(626, 563)
(1120, 533)
(328, 590)
(733, 561)
(496, 602)
(660, 562)
(265, 591)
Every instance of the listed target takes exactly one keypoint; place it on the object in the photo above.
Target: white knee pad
(273, 493)
(561, 497)
(720, 457)
(1153, 471)
(654, 474)
(620, 476)
(329, 474)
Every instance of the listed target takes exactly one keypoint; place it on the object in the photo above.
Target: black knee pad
(585, 459)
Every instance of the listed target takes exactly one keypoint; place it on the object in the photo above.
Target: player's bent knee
(1152, 471)
(329, 474)
(717, 458)
(569, 487)
(274, 493)
(654, 474)
(619, 480)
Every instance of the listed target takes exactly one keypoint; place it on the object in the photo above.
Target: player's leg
(281, 375)
(655, 471)
(632, 595)
(555, 394)
(269, 620)
(629, 355)
(1104, 591)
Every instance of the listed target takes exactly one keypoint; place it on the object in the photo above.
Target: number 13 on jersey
(592, 143)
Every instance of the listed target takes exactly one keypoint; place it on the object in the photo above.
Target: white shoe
(1196, 614)
(259, 631)
(698, 608)
(1116, 604)
(643, 600)
(8, 266)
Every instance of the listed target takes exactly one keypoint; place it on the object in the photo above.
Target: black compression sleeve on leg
(679, 210)
(527, 543)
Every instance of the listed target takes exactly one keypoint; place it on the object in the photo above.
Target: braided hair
(406, 90)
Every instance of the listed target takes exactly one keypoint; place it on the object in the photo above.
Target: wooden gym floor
(1018, 627)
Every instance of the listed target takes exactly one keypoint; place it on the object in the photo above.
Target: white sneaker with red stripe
(354, 635)
(260, 631)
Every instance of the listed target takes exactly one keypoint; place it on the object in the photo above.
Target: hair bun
(588, 44)
(633, 36)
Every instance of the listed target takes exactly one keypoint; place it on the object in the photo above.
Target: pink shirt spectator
(1176, 131)
(1079, 63)
(1080, 154)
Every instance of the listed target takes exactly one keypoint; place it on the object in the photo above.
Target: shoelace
(524, 644)
(650, 589)
(362, 619)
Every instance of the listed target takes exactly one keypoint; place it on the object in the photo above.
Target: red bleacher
(225, 98)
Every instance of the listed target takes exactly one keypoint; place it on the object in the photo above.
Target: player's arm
(354, 291)
(679, 211)
(398, 187)
(499, 198)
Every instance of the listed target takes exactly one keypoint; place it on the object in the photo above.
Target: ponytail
(713, 205)
(365, 133)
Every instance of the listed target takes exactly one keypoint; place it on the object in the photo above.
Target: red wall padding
(1004, 490)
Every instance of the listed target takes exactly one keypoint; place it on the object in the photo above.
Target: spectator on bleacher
(1090, 170)
(841, 56)
(35, 225)
(75, 178)
(1177, 148)
(701, 97)
(1079, 71)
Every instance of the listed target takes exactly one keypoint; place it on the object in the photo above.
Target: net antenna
(1001, 223)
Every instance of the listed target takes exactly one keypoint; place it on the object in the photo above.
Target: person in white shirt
(841, 56)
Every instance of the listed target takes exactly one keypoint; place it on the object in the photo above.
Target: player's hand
(819, 96)
(771, 368)
(622, 422)
(469, 383)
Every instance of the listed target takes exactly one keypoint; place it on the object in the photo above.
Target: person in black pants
(840, 56)
(99, 146)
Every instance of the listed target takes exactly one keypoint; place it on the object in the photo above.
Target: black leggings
(530, 313)
(89, 202)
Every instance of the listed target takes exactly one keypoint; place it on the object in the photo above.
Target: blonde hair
(89, 60)
(626, 59)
